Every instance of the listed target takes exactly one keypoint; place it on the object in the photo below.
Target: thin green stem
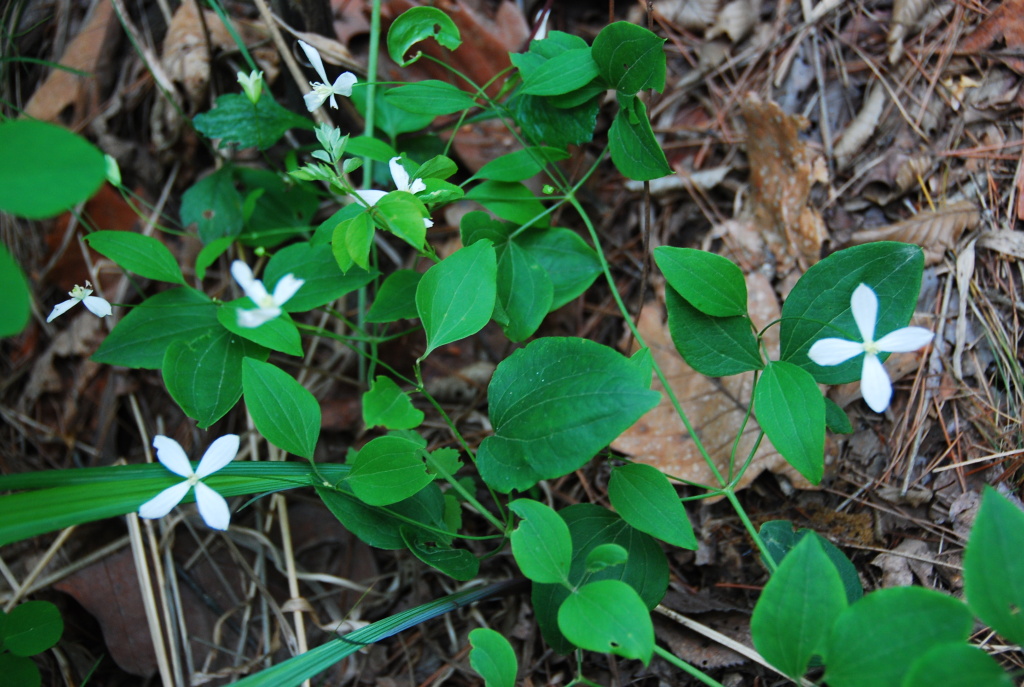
(684, 666)
(751, 530)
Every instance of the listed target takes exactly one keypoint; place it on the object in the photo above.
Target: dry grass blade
(936, 232)
(904, 14)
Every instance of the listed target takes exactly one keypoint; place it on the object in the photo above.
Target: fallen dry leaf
(1006, 23)
(860, 130)
(905, 14)
(715, 407)
(936, 232)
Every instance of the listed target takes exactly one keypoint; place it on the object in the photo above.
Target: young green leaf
(15, 307)
(541, 544)
(554, 404)
(563, 73)
(836, 419)
(430, 97)
(381, 526)
(791, 411)
(608, 616)
(520, 165)
(633, 147)
(605, 556)
(282, 409)
(993, 569)
(387, 470)
(779, 539)
(797, 608)
(209, 254)
(459, 564)
(277, 334)
(417, 24)
(525, 292)
(876, 640)
(143, 255)
(645, 499)
(47, 169)
(508, 200)
(712, 284)
(455, 298)
(713, 346)
(388, 406)
(215, 205)
(236, 119)
(571, 264)
(396, 298)
(323, 282)
(630, 58)
(19, 670)
(403, 215)
(493, 658)
(955, 664)
(32, 628)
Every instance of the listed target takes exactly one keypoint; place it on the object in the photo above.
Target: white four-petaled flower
(402, 183)
(874, 382)
(212, 506)
(323, 91)
(81, 294)
(268, 305)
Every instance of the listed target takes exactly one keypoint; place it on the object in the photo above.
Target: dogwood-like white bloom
(874, 382)
(402, 183)
(212, 506)
(269, 305)
(324, 91)
(81, 294)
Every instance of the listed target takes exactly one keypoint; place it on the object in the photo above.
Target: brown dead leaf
(905, 14)
(1006, 23)
(715, 407)
(698, 650)
(695, 15)
(90, 52)
(860, 130)
(900, 566)
(782, 171)
(936, 232)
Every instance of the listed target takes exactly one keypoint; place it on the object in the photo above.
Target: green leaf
(713, 346)
(954, 664)
(278, 334)
(46, 169)
(396, 298)
(19, 670)
(630, 58)
(403, 214)
(430, 97)
(455, 298)
(508, 200)
(437, 167)
(381, 527)
(143, 255)
(571, 264)
(819, 304)
(16, 304)
(236, 119)
(282, 209)
(645, 499)
(214, 205)
(608, 616)
(797, 609)
(876, 640)
(282, 409)
(554, 404)
(633, 147)
(204, 375)
(525, 292)
(417, 24)
(324, 282)
(791, 411)
(459, 564)
(563, 73)
(388, 406)
(209, 254)
(835, 418)
(493, 658)
(541, 544)
(520, 164)
(543, 122)
(606, 556)
(388, 469)
(142, 337)
(712, 284)
(993, 569)
(645, 569)
(32, 628)
(373, 148)
(444, 462)
(779, 539)
(351, 242)
(391, 120)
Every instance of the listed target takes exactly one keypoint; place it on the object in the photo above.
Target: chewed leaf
(417, 24)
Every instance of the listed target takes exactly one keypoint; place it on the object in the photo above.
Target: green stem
(751, 530)
(686, 667)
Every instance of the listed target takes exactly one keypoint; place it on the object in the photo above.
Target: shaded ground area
(794, 129)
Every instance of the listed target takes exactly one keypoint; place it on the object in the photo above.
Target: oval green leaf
(282, 409)
(430, 97)
(32, 628)
(713, 346)
(630, 58)
(791, 411)
(993, 569)
(633, 147)
(387, 470)
(16, 306)
(541, 544)
(144, 255)
(455, 298)
(608, 616)
(645, 499)
(324, 282)
(493, 658)
(956, 665)
(388, 406)
(712, 284)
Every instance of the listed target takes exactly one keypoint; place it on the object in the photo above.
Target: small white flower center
(193, 480)
(871, 348)
(266, 302)
(80, 292)
(321, 89)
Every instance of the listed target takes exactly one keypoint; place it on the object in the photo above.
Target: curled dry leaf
(715, 407)
(905, 14)
(735, 20)
(695, 15)
(1006, 23)
(862, 127)
(936, 232)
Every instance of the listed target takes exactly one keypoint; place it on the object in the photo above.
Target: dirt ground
(793, 128)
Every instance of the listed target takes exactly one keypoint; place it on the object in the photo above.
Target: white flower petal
(417, 186)
(370, 197)
(344, 83)
(286, 287)
(62, 308)
(219, 454)
(97, 306)
(172, 456)
(874, 384)
(398, 174)
(161, 504)
(833, 351)
(905, 340)
(314, 60)
(212, 507)
(253, 288)
(250, 319)
(427, 222)
(864, 304)
(313, 100)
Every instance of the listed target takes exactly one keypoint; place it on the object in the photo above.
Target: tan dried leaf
(905, 14)
(862, 127)
(936, 232)
(715, 407)
(1005, 23)
(695, 15)
(735, 20)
